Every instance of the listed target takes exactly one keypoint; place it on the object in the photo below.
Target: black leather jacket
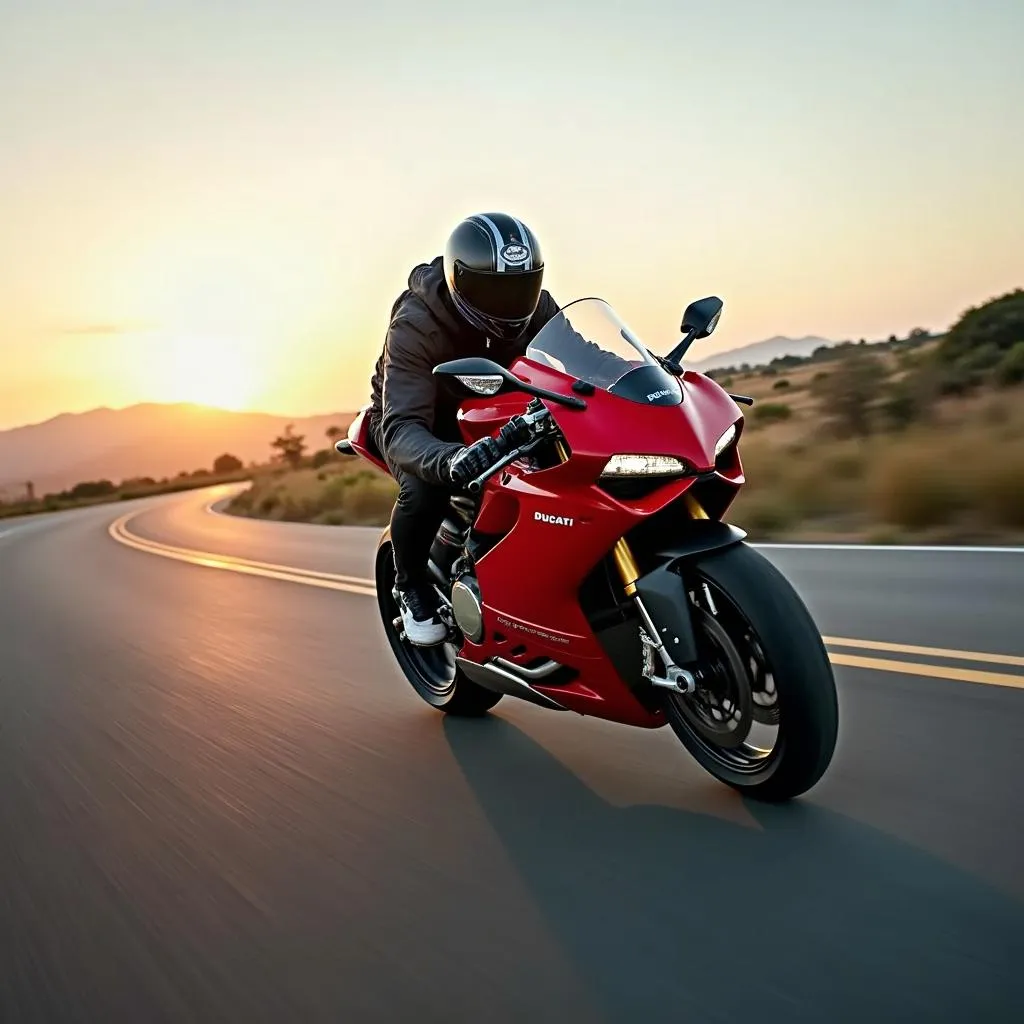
(412, 413)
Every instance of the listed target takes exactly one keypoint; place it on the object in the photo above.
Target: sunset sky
(217, 200)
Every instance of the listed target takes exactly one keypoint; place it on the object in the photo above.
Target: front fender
(663, 591)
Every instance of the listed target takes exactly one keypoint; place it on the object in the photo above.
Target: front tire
(763, 664)
(431, 671)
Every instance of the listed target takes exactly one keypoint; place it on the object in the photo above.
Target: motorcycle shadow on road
(673, 915)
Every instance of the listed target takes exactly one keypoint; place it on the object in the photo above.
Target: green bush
(998, 324)
(770, 412)
(1010, 370)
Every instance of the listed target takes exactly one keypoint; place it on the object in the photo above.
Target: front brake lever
(475, 486)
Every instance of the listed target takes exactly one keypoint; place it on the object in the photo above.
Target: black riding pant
(415, 520)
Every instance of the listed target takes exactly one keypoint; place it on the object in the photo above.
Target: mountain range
(760, 353)
(154, 440)
(163, 440)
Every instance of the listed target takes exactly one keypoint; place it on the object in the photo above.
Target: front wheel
(431, 671)
(764, 678)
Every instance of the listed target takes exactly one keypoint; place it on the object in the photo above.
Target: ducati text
(544, 517)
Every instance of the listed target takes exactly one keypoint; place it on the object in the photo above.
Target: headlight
(725, 440)
(644, 465)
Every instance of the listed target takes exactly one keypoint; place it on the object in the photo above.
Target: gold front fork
(629, 571)
(626, 563)
(695, 507)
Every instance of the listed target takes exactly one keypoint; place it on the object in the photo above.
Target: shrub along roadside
(346, 493)
(958, 478)
(128, 491)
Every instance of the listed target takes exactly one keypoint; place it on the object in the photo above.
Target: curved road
(219, 801)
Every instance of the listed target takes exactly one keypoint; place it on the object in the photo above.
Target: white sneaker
(423, 627)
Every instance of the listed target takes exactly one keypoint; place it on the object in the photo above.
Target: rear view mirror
(481, 376)
(476, 375)
(699, 320)
(701, 317)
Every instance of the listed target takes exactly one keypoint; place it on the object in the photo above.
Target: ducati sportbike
(592, 570)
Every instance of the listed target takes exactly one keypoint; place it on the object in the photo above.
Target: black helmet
(494, 269)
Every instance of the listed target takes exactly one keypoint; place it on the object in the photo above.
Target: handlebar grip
(511, 433)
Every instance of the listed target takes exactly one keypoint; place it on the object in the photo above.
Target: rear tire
(431, 671)
(806, 711)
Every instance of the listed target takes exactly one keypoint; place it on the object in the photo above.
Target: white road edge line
(935, 550)
(932, 549)
(367, 588)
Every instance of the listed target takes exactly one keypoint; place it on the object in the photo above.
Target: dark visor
(511, 295)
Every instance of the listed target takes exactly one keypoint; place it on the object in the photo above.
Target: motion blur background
(217, 203)
(219, 797)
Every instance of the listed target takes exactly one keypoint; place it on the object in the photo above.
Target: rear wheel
(764, 715)
(431, 671)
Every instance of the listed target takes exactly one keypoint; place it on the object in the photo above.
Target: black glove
(468, 463)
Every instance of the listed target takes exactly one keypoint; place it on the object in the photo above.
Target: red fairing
(559, 524)
(361, 441)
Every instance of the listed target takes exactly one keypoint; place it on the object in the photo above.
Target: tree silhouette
(290, 447)
(848, 395)
(333, 432)
(227, 463)
(999, 323)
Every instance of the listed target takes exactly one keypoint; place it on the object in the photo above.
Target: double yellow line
(364, 587)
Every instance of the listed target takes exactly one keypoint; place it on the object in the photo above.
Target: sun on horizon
(204, 370)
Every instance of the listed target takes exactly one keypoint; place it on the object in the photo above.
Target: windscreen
(588, 341)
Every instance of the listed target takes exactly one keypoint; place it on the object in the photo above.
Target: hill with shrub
(920, 437)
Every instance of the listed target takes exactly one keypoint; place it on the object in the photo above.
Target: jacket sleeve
(408, 396)
(547, 309)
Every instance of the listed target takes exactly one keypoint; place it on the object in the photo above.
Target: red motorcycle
(591, 569)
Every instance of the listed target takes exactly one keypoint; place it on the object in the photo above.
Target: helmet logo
(515, 254)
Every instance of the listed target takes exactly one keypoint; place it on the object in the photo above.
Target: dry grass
(958, 478)
(341, 493)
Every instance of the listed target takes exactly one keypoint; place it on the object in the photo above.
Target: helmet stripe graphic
(482, 224)
(525, 239)
(499, 242)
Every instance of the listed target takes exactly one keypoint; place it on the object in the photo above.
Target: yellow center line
(367, 588)
(962, 675)
(928, 652)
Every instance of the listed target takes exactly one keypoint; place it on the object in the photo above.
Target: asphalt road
(219, 801)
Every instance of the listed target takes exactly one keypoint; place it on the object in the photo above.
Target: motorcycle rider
(483, 297)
